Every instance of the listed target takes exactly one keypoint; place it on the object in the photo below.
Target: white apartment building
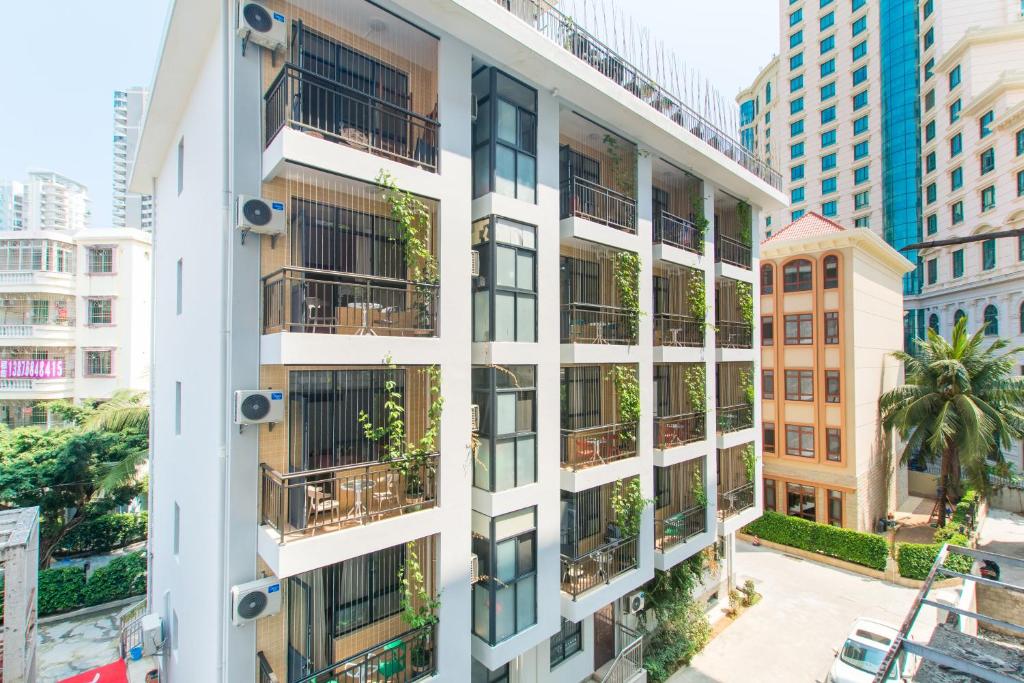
(130, 209)
(541, 267)
(55, 202)
(75, 316)
(12, 205)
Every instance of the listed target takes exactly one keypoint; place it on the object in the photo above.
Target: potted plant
(419, 611)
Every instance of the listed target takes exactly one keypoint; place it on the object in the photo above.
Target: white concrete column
(645, 439)
(710, 366)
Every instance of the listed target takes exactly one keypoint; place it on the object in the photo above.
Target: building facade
(502, 243)
(130, 209)
(831, 316)
(75, 318)
(55, 202)
(12, 205)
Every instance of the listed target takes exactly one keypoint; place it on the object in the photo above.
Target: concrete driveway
(1003, 532)
(806, 612)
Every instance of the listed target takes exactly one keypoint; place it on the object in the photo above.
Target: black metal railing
(598, 203)
(734, 335)
(408, 657)
(676, 329)
(736, 500)
(563, 31)
(735, 417)
(304, 503)
(731, 250)
(677, 430)
(679, 527)
(583, 448)
(306, 101)
(599, 566)
(305, 300)
(597, 324)
(264, 670)
(678, 232)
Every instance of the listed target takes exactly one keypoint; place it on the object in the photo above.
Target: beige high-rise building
(831, 316)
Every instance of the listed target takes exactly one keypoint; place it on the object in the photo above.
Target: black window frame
(560, 642)
(488, 252)
(522, 146)
(487, 386)
(486, 550)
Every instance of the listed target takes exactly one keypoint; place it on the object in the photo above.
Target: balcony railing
(598, 203)
(306, 101)
(597, 324)
(735, 501)
(409, 657)
(735, 417)
(678, 232)
(679, 527)
(676, 329)
(677, 430)
(312, 501)
(304, 300)
(734, 335)
(598, 567)
(583, 448)
(730, 250)
(566, 33)
(264, 670)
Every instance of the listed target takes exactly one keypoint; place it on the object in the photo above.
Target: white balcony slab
(734, 272)
(37, 335)
(682, 257)
(592, 600)
(505, 353)
(36, 282)
(600, 353)
(731, 525)
(665, 560)
(495, 204)
(734, 355)
(666, 457)
(36, 389)
(581, 480)
(302, 348)
(737, 438)
(679, 354)
(582, 229)
(495, 503)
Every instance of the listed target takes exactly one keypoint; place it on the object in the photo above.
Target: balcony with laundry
(356, 620)
(356, 75)
(599, 295)
(600, 415)
(357, 259)
(358, 445)
(680, 407)
(680, 503)
(677, 208)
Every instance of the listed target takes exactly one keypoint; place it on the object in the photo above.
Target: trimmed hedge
(968, 503)
(106, 532)
(60, 589)
(122, 578)
(915, 560)
(860, 548)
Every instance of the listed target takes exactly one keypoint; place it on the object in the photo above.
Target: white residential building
(12, 205)
(55, 202)
(130, 209)
(75, 316)
(537, 176)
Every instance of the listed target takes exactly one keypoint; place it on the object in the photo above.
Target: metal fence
(679, 527)
(678, 232)
(582, 448)
(735, 500)
(734, 335)
(676, 329)
(735, 417)
(732, 251)
(597, 203)
(599, 566)
(677, 430)
(597, 324)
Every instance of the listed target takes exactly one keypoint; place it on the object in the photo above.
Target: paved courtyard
(72, 646)
(806, 612)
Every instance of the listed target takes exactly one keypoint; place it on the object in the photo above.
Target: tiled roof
(809, 225)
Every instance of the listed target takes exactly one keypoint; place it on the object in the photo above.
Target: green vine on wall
(696, 387)
(414, 223)
(628, 504)
(700, 495)
(749, 461)
(419, 607)
(696, 294)
(623, 172)
(700, 219)
(627, 391)
(627, 282)
(745, 297)
(746, 226)
(747, 384)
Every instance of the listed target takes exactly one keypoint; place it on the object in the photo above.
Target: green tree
(960, 404)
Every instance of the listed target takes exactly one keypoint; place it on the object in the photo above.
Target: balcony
(599, 566)
(734, 418)
(677, 205)
(734, 231)
(40, 317)
(598, 414)
(735, 501)
(593, 302)
(679, 527)
(346, 621)
(680, 404)
(594, 545)
(597, 171)
(734, 311)
(28, 372)
(680, 503)
(736, 474)
(678, 232)
(677, 329)
(735, 396)
(370, 84)
(677, 320)
(678, 430)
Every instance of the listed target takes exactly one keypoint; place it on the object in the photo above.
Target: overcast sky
(56, 110)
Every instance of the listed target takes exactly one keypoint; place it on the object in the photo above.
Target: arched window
(767, 279)
(958, 316)
(831, 272)
(797, 276)
(991, 321)
(933, 322)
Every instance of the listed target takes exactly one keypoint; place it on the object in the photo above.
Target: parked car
(858, 660)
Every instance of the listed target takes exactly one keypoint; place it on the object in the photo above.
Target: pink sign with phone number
(47, 368)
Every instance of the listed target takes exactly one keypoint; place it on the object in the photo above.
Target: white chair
(319, 505)
(385, 498)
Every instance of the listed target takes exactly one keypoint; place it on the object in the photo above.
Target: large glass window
(835, 507)
(101, 311)
(566, 642)
(799, 385)
(985, 124)
(988, 254)
(991, 321)
(507, 451)
(800, 501)
(505, 597)
(504, 136)
(799, 329)
(800, 440)
(101, 259)
(797, 276)
(988, 198)
(767, 278)
(958, 263)
(505, 293)
(832, 388)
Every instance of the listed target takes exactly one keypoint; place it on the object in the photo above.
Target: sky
(57, 114)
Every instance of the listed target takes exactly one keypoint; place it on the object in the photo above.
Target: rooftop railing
(563, 31)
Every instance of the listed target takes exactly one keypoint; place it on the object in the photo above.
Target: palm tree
(126, 410)
(960, 404)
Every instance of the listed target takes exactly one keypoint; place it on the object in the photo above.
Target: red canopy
(115, 672)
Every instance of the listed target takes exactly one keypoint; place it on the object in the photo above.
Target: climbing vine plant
(745, 297)
(627, 282)
(749, 461)
(623, 167)
(747, 384)
(696, 387)
(414, 224)
(696, 294)
(627, 391)
(628, 504)
(746, 227)
(700, 495)
(700, 220)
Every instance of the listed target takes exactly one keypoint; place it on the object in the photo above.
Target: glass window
(796, 83)
(927, 8)
(933, 270)
(929, 131)
(767, 330)
(929, 100)
(796, 128)
(957, 211)
(800, 498)
(828, 114)
(101, 260)
(799, 329)
(991, 321)
(861, 150)
(98, 363)
(796, 17)
(505, 294)
(796, 105)
(829, 43)
(828, 67)
(800, 440)
(769, 484)
(796, 38)
(929, 38)
(835, 502)
(958, 316)
(988, 198)
(860, 75)
(828, 185)
(988, 254)
(931, 192)
(860, 50)
(505, 597)
(1020, 142)
(826, 21)
(831, 327)
(796, 215)
(101, 311)
(860, 26)
(933, 323)
(861, 175)
(954, 77)
(768, 437)
(833, 445)
(828, 138)
(566, 642)
(796, 172)
(856, 5)
(956, 144)
(507, 452)
(506, 121)
(830, 209)
(796, 61)
(796, 194)
(862, 200)
(956, 178)
(831, 270)
(1020, 183)
(768, 384)
(828, 91)
(796, 151)
(929, 68)
(932, 222)
(958, 263)
(862, 222)
(797, 276)
(799, 385)
(860, 100)
(828, 161)
(954, 111)
(988, 160)
(767, 278)
(860, 125)
(929, 162)
(832, 387)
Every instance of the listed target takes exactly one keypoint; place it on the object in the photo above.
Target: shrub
(122, 578)
(106, 532)
(60, 589)
(681, 635)
(964, 513)
(860, 548)
(750, 594)
(915, 560)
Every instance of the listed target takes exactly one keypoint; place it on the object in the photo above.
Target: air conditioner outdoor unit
(257, 407)
(152, 634)
(635, 603)
(474, 263)
(255, 600)
(474, 568)
(259, 25)
(261, 216)
(474, 418)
